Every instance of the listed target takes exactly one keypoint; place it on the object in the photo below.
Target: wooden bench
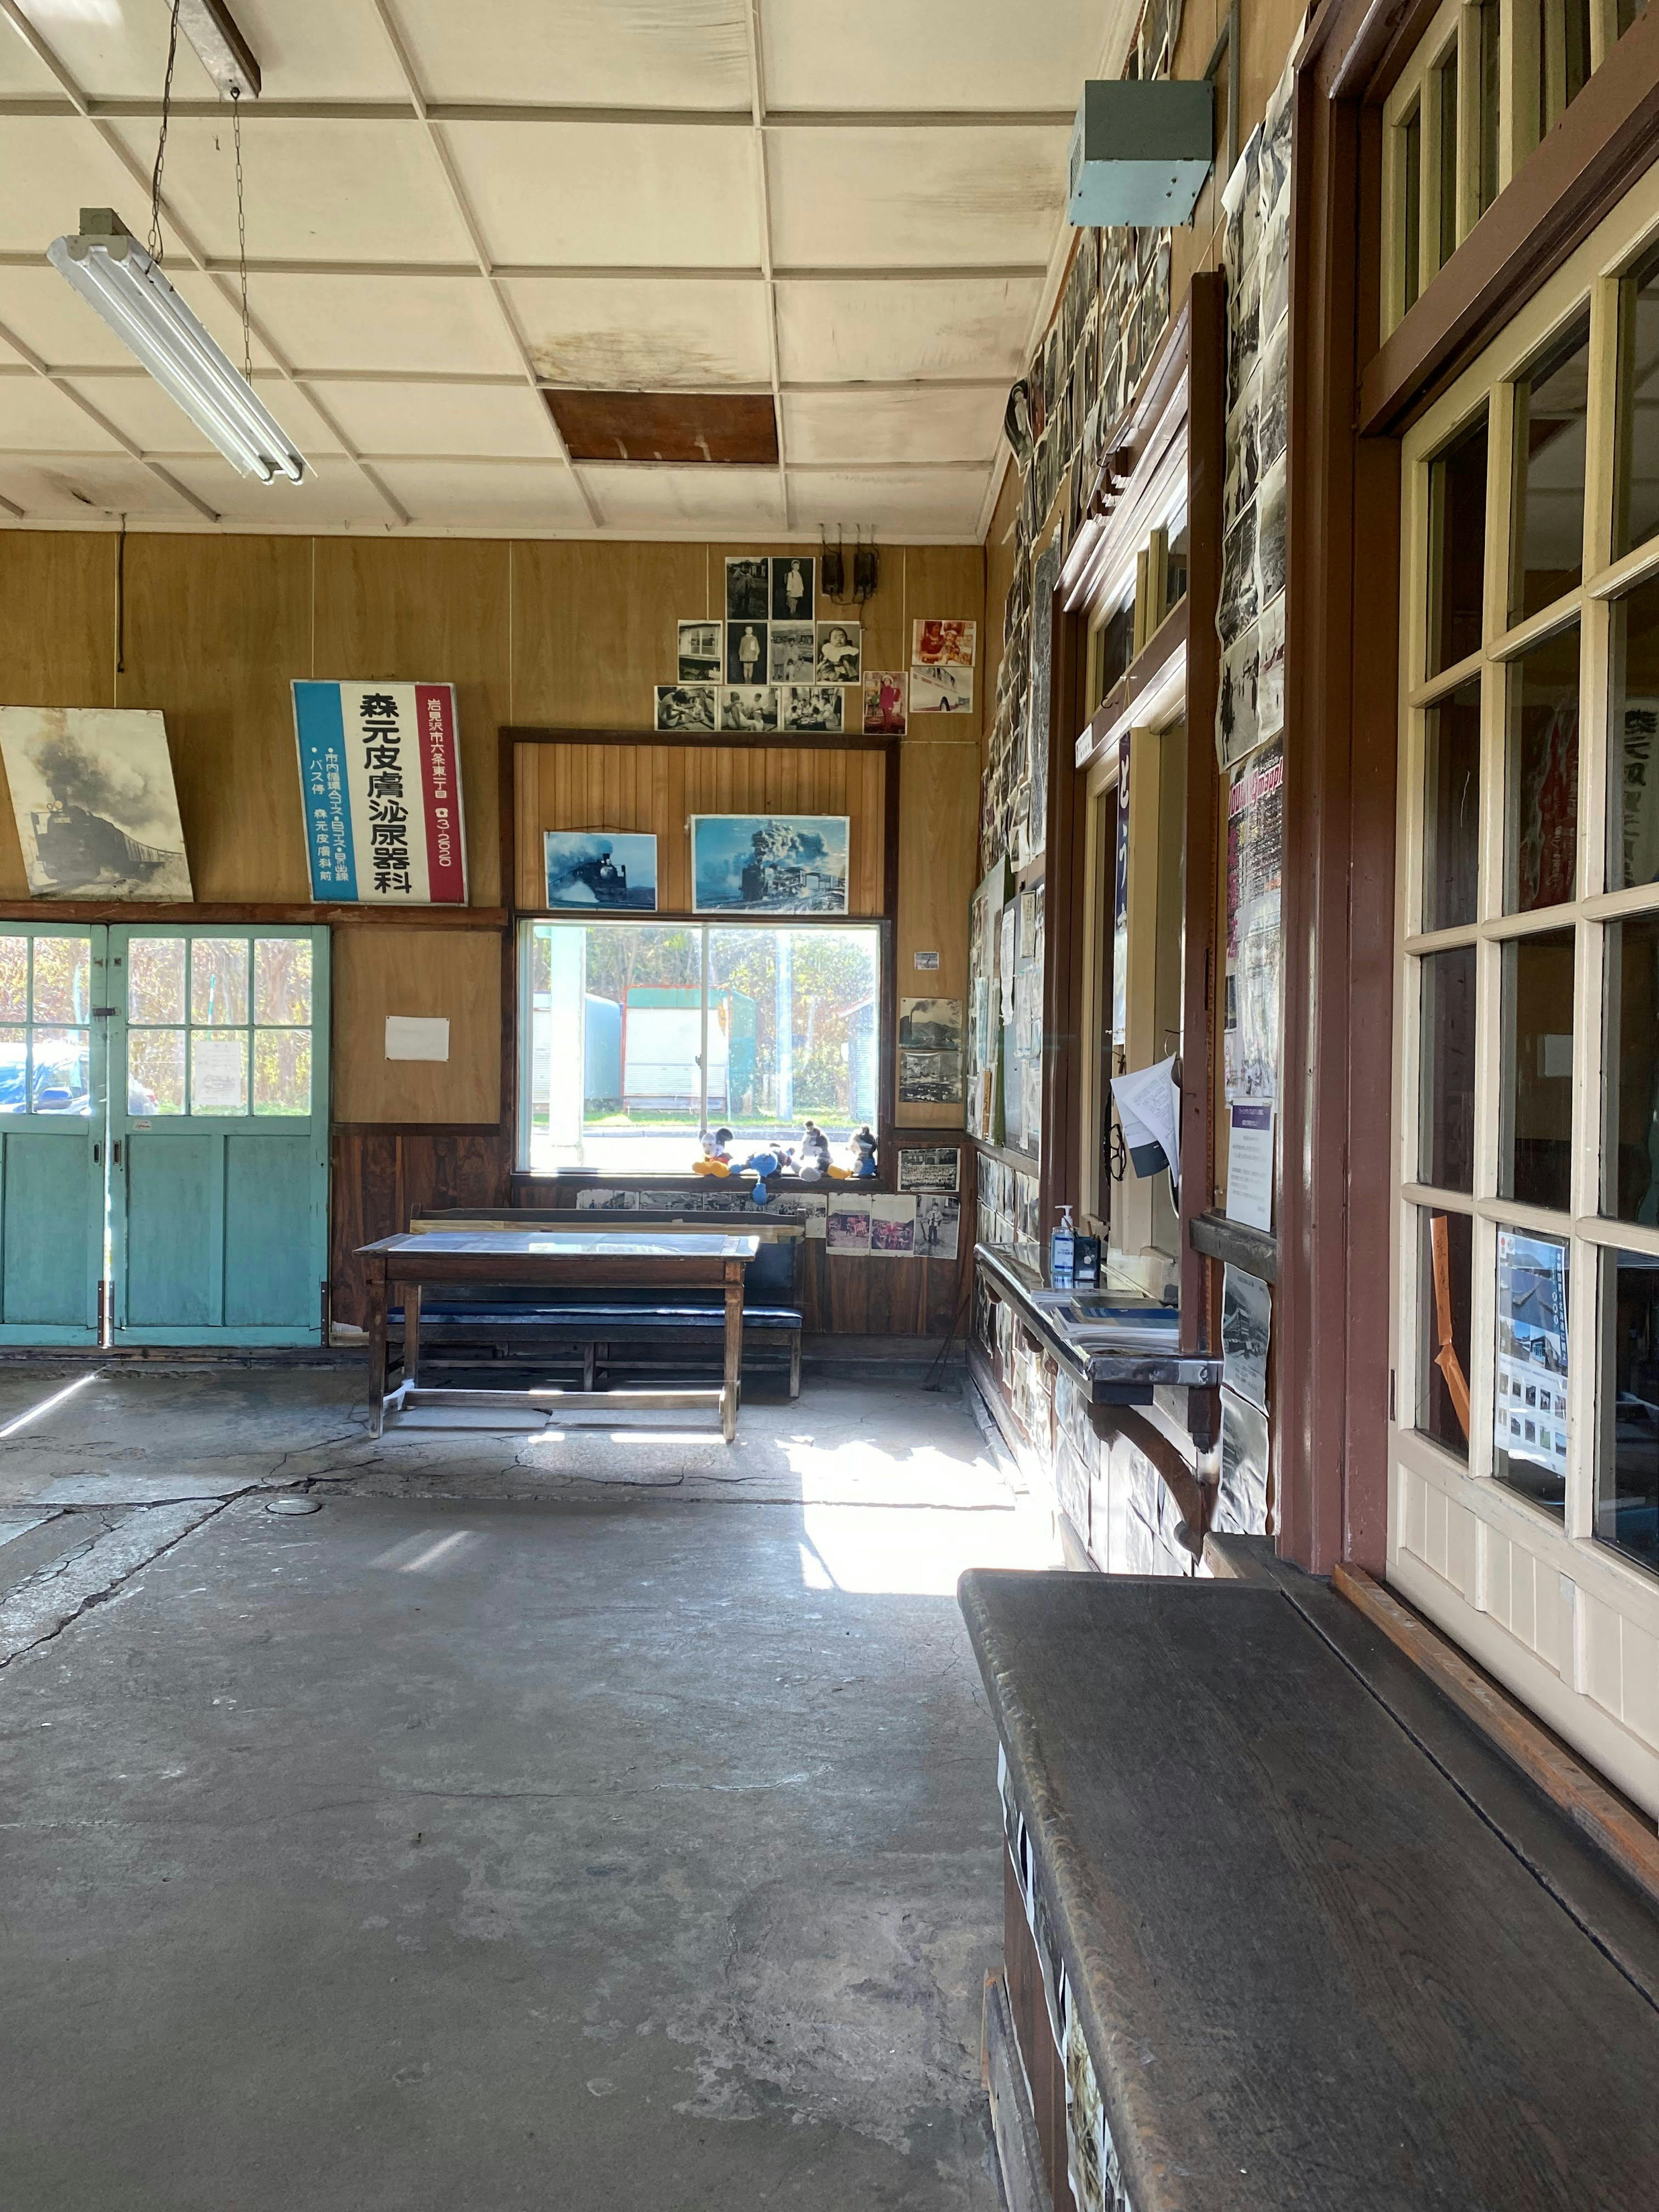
(1284, 1932)
(595, 1336)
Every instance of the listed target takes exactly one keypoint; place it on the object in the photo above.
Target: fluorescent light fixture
(112, 273)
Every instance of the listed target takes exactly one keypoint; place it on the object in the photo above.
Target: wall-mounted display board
(639, 786)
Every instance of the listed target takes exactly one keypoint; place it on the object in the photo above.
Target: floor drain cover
(292, 1505)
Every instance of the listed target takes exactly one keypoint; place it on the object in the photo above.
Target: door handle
(97, 1154)
(116, 1153)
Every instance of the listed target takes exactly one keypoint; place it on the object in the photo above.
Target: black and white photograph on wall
(1270, 537)
(769, 863)
(791, 587)
(930, 1025)
(1237, 609)
(601, 868)
(1241, 1506)
(939, 1226)
(1243, 469)
(941, 690)
(793, 653)
(1273, 414)
(930, 1078)
(686, 707)
(748, 589)
(1241, 200)
(1236, 708)
(1270, 670)
(745, 651)
(699, 652)
(93, 794)
(749, 709)
(819, 707)
(841, 650)
(1245, 1326)
(1275, 268)
(930, 1167)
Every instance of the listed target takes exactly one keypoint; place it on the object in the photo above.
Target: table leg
(376, 1346)
(411, 1334)
(733, 1349)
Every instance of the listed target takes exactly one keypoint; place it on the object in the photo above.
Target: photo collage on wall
(779, 659)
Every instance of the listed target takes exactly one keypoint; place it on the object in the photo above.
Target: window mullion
(702, 1047)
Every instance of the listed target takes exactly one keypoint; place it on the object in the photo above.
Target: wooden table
(671, 1260)
(1327, 1951)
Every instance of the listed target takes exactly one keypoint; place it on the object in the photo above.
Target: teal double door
(163, 1134)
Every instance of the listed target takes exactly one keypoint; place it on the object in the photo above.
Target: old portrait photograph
(1236, 709)
(930, 1167)
(699, 652)
(939, 1226)
(745, 653)
(819, 707)
(791, 587)
(1270, 535)
(748, 589)
(793, 653)
(941, 690)
(769, 863)
(930, 1025)
(1272, 415)
(749, 708)
(606, 868)
(840, 651)
(942, 644)
(92, 791)
(1237, 608)
(886, 697)
(686, 707)
(930, 1078)
(1246, 1327)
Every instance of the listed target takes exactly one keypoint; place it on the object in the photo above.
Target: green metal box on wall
(1140, 152)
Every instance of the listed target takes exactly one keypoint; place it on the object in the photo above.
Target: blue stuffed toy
(765, 1164)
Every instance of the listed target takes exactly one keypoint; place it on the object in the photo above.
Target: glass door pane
(1535, 1131)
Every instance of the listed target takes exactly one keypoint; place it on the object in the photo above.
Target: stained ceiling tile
(892, 198)
(52, 487)
(931, 56)
(948, 327)
(642, 333)
(613, 53)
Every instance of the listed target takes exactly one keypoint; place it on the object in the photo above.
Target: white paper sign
(218, 1074)
(416, 1036)
(1250, 1163)
(1149, 1107)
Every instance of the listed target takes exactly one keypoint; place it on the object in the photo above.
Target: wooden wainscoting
(380, 1175)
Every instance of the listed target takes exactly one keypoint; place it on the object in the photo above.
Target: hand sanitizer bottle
(1062, 1252)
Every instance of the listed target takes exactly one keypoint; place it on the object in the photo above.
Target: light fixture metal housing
(114, 274)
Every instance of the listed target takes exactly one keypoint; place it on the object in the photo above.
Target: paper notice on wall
(218, 1071)
(1149, 1107)
(416, 1036)
(815, 1214)
(1250, 1163)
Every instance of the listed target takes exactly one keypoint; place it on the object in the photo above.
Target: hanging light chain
(156, 246)
(241, 227)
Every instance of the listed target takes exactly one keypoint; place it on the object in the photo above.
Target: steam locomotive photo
(78, 850)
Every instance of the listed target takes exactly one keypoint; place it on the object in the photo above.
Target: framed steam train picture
(97, 813)
(601, 871)
(769, 863)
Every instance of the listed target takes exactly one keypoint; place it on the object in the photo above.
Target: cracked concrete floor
(457, 1849)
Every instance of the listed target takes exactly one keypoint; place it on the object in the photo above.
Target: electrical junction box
(1140, 152)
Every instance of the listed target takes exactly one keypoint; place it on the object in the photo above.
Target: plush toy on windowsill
(716, 1154)
(814, 1153)
(763, 1165)
(864, 1144)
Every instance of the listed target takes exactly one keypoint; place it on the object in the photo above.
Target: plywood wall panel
(946, 582)
(454, 973)
(561, 785)
(594, 629)
(434, 609)
(216, 630)
(57, 640)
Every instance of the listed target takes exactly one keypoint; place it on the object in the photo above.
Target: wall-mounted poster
(1530, 1385)
(885, 698)
(609, 869)
(686, 706)
(769, 863)
(791, 587)
(699, 652)
(380, 767)
(97, 814)
(942, 644)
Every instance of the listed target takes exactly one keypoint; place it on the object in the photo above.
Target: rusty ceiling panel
(667, 426)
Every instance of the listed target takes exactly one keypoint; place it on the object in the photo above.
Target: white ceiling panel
(692, 499)
(313, 191)
(922, 503)
(114, 49)
(336, 496)
(490, 420)
(55, 322)
(892, 198)
(609, 53)
(320, 49)
(954, 326)
(68, 488)
(140, 411)
(930, 54)
(23, 73)
(37, 417)
(397, 323)
(644, 333)
(910, 423)
(626, 195)
(539, 496)
(51, 167)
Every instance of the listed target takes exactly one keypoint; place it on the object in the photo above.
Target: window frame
(1479, 1527)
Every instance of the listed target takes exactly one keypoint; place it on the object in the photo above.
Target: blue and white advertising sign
(380, 767)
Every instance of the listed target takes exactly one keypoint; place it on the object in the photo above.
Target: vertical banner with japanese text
(380, 772)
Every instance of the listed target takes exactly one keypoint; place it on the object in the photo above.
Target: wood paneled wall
(658, 787)
(452, 974)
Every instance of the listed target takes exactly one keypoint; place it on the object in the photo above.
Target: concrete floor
(506, 1832)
